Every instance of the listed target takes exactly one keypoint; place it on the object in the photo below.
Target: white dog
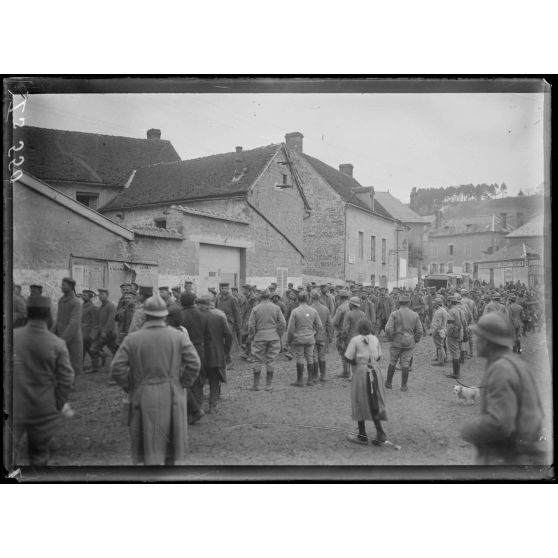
(466, 394)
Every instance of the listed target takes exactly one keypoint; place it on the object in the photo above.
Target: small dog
(466, 394)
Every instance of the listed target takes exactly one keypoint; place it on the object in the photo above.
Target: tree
(520, 193)
(504, 189)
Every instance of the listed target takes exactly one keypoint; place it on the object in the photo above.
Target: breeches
(265, 352)
(439, 346)
(303, 353)
(320, 350)
(110, 341)
(403, 355)
(38, 438)
(454, 347)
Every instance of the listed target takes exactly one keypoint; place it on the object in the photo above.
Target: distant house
(240, 215)
(348, 234)
(91, 168)
(533, 233)
(416, 226)
(512, 263)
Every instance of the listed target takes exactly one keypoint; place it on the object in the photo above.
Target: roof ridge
(94, 134)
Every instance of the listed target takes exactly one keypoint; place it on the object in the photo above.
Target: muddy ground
(298, 426)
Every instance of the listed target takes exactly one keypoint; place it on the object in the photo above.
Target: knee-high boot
(455, 364)
(257, 376)
(322, 368)
(390, 374)
(380, 434)
(404, 378)
(268, 380)
(310, 371)
(299, 374)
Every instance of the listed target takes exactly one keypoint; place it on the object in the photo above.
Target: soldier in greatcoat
(218, 351)
(323, 337)
(68, 323)
(515, 312)
(340, 341)
(90, 328)
(228, 304)
(107, 325)
(154, 365)
(454, 335)
(43, 380)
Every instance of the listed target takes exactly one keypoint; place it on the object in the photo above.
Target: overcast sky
(394, 141)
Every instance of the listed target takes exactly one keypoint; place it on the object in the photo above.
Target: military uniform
(340, 342)
(68, 327)
(438, 326)
(90, 331)
(516, 315)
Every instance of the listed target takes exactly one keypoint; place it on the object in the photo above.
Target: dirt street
(298, 426)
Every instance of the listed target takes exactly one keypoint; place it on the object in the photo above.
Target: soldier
(404, 330)
(386, 306)
(326, 298)
(43, 380)
(246, 306)
(154, 366)
(369, 309)
(138, 319)
(323, 337)
(218, 350)
(428, 306)
(195, 323)
(495, 305)
(266, 325)
(124, 316)
(165, 294)
(124, 288)
(470, 305)
(189, 287)
(352, 319)
(134, 287)
(276, 299)
(107, 325)
(304, 324)
(227, 303)
(418, 306)
(35, 290)
(454, 335)
(516, 315)
(338, 320)
(176, 292)
(509, 429)
(68, 323)
(438, 326)
(90, 329)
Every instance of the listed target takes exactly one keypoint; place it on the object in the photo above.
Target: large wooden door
(218, 264)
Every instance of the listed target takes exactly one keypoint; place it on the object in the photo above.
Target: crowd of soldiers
(257, 324)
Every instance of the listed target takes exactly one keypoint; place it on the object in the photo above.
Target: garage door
(218, 264)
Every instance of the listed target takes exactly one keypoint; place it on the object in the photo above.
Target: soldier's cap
(146, 291)
(339, 286)
(324, 285)
(265, 293)
(40, 287)
(102, 291)
(188, 283)
(273, 284)
(404, 299)
(234, 288)
(464, 291)
(176, 288)
(495, 327)
(275, 295)
(452, 298)
(155, 306)
(205, 300)
(126, 285)
(486, 297)
(344, 294)
(175, 315)
(496, 296)
(35, 301)
(163, 289)
(300, 287)
(246, 286)
(224, 285)
(70, 281)
(355, 301)
(88, 291)
(314, 294)
(187, 299)
(289, 284)
(457, 297)
(437, 301)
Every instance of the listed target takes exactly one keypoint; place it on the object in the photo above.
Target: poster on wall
(282, 278)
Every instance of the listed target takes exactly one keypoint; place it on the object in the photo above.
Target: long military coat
(68, 327)
(154, 365)
(221, 341)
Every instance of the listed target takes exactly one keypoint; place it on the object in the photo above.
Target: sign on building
(282, 279)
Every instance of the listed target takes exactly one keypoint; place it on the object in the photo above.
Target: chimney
(238, 163)
(293, 142)
(347, 169)
(372, 193)
(154, 134)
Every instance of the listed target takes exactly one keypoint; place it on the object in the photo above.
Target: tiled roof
(344, 185)
(514, 252)
(398, 210)
(205, 177)
(82, 157)
(209, 214)
(155, 232)
(534, 227)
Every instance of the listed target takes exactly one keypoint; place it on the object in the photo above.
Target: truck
(447, 280)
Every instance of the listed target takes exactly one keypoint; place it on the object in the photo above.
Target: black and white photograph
(315, 277)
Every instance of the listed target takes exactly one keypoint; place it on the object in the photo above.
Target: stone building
(91, 168)
(348, 234)
(239, 214)
(54, 236)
